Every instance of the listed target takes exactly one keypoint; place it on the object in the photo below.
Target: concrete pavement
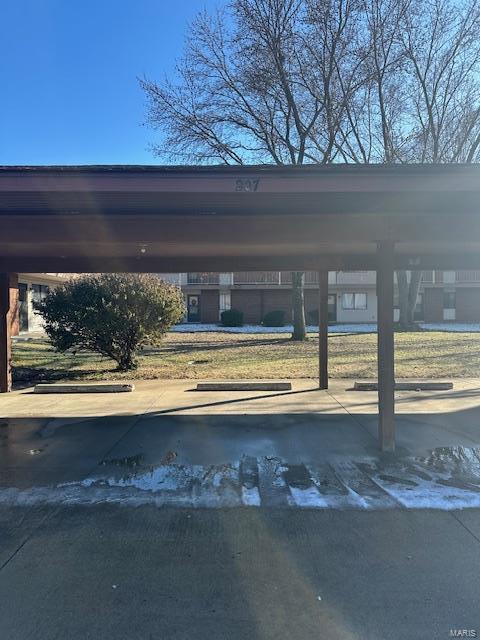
(103, 533)
(120, 573)
(60, 438)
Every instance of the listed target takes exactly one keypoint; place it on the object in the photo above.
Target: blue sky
(68, 70)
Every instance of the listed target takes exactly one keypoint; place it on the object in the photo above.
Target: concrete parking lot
(172, 513)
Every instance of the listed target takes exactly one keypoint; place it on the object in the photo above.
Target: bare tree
(441, 50)
(321, 81)
(421, 103)
(254, 87)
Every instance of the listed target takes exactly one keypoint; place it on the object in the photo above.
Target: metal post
(5, 342)
(323, 329)
(386, 356)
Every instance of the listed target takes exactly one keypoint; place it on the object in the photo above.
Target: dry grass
(240, 356)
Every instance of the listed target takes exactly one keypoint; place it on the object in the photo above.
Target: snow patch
(256, 328)
(448, 478)
(452, 327)
(251, 497)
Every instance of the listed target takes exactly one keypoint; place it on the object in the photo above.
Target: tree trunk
(413, 289)
(407, 297)
(298, 306)
(402, 283)
(126, 362)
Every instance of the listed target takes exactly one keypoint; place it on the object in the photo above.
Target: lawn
(221, 355)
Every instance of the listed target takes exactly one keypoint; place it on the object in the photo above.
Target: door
(193, 308)
(332, 307)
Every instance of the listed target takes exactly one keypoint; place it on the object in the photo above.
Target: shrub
(111, 314)
(312, 316)
(274, 318)
(232, 318)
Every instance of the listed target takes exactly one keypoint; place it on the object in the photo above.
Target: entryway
(193, 308)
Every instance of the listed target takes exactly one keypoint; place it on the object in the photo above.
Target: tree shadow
(24, 377)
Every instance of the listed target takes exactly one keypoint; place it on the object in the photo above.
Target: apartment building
(445, 296)
(32, 287)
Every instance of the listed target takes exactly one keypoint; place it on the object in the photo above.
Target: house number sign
(246, 184)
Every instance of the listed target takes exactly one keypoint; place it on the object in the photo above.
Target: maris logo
(463, 633)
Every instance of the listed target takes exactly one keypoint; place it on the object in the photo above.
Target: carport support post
(323, 329)
(5, 342)
(385, 353)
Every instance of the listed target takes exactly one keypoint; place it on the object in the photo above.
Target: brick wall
(311, 303)
(250, 302)
(467, 305)
(13, 313)
(209, 306)
(255, 303)
(278, 300)
(433, 305)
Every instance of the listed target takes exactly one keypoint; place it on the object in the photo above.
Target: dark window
(23, 306)
(449, 301)
(39, 292)
(22, 292)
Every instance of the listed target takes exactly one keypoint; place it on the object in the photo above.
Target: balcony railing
(311, 277)
(467, 276)
(203, 278)
(256, 277)
(277, 278)
(173, 278)
(354, 277)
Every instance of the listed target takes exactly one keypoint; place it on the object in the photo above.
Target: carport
(169, 219)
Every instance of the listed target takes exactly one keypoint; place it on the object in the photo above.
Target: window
(449, 300)
(225, 303)
(354, 301)
(39, 292)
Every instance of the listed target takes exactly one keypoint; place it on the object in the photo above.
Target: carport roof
(221, 218)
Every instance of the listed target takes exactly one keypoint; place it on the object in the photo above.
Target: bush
(111, 314)
(312, 316)
(232, 318)
(274, 318)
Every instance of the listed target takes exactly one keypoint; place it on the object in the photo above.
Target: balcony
(434, 277)
(311, 277)
(467, 276)
(203, 278)
(256, 277)
(173, 278)
(355, 277)
(271, 278)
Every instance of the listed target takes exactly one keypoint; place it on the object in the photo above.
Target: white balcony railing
(467, 276)
(354, 277)
(256, 277)
(203, 278)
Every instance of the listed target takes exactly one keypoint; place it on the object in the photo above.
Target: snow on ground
(288, 328)
(333, 328)
(473, 327)
(449, 478)
(256, 328)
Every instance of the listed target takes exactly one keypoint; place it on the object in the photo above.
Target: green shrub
(312, 316)
(111, 314)
(232, 318)
(274, 318)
